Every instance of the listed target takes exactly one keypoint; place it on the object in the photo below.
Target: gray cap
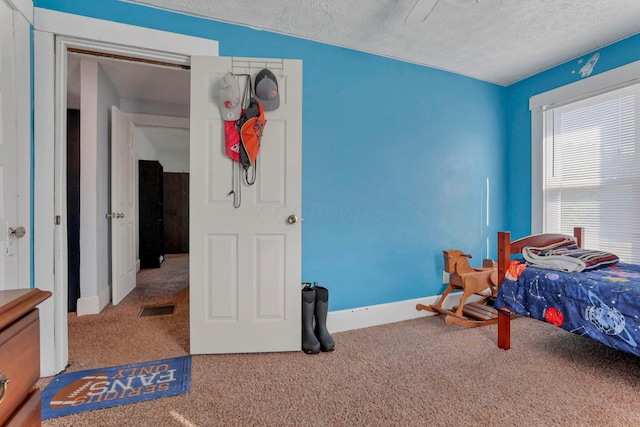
(229, 98)
(267, 90)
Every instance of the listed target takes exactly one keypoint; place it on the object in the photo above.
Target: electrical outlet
(445, 277)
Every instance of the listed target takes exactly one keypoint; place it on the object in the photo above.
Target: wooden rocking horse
(482, 281)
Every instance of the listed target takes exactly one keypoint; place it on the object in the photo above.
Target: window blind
(592, 171)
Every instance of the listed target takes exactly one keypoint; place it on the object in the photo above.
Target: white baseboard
(337, 321)
(94, 304)
(364, 317)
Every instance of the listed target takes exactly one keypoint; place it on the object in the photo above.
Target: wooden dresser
(20, 357)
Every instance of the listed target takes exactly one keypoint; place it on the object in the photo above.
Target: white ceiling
(499, 41)
(166, 138)
(143, 83)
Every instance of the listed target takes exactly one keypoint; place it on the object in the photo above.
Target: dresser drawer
(29, 414)
(19, 361)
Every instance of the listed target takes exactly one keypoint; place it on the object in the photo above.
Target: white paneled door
(123, 257)
(11, 230)
(245, 262)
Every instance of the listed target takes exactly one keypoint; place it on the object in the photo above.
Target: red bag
(232, 140)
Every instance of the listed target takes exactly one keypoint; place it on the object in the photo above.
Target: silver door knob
(17, 232)
(292, 219)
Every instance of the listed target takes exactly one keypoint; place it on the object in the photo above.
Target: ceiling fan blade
(420, 11)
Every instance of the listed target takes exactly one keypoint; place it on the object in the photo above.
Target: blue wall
(519, 123)
(399, 161)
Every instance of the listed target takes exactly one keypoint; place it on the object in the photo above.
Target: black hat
(267, 90)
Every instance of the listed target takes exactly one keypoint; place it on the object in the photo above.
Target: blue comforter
(603, 304)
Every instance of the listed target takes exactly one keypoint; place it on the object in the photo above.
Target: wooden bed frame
(506, 248)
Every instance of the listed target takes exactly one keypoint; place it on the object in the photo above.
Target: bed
(601, 303)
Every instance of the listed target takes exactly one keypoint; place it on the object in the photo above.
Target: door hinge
(57, 220)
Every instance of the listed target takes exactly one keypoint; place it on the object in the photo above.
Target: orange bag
(250, 137)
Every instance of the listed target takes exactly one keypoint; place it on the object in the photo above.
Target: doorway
(53, 35)
(161, 134)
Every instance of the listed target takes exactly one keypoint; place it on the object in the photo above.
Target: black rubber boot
(310, 343)
(322, 307)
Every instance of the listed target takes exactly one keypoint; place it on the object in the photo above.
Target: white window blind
(592, 171)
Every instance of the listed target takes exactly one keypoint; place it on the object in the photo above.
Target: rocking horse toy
(472, 281)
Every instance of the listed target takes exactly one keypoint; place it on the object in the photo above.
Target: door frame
(54, 33)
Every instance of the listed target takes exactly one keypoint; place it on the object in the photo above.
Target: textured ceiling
(499, 41)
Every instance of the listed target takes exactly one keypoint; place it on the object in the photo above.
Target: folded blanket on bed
(566, 255)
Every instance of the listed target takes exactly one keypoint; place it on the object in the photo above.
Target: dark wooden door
(176, 212)
(73, 209)
(151, 211)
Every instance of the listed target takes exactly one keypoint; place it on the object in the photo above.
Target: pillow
(592, 259)
(586, 259)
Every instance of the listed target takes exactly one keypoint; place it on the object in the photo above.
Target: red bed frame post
(504, 318)
(504, 330)
(578, 233)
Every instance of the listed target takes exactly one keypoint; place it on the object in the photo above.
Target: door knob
(292, 219)
(17, 232)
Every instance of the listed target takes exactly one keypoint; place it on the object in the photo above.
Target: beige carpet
(415, 373)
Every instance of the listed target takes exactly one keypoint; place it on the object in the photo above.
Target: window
(591, 157)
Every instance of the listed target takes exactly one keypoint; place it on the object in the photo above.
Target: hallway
(119, 336)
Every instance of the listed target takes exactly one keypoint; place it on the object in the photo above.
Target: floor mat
(119, 385)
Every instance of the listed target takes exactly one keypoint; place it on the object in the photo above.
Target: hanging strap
(236, 173)
(255, 174)
(248, 91)
(237, 193)
(248, 94)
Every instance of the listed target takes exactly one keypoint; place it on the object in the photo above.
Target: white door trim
(161, 45)
(25, 7)
(55, 32)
